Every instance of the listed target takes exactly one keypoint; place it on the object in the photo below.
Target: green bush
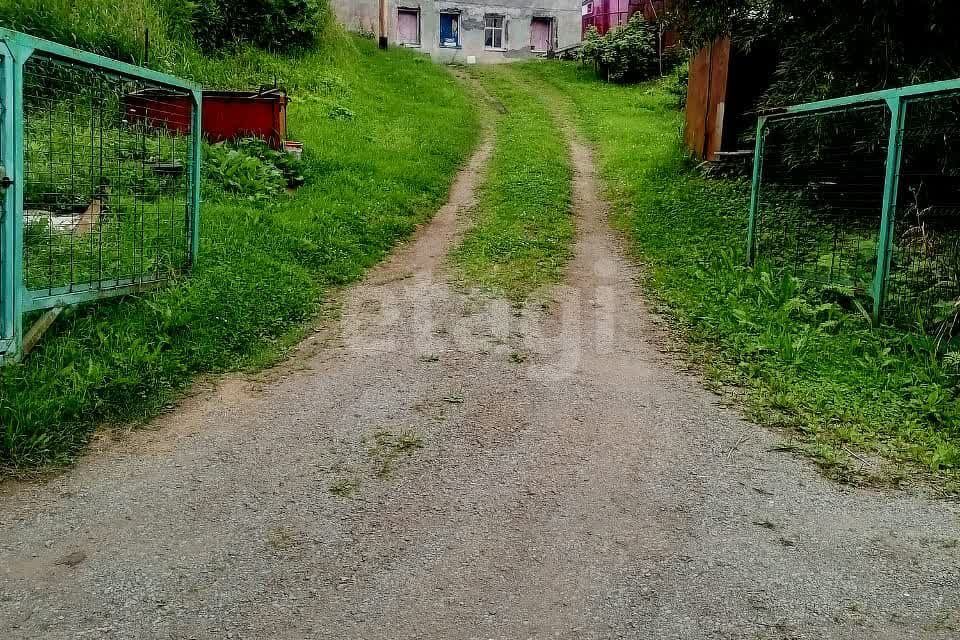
(289, 166)
(251, 169)
(624, 55)
(274, 25)
(177, 15)
(245, 174)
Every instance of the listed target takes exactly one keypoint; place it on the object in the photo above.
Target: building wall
(357, 15)
(363, 15)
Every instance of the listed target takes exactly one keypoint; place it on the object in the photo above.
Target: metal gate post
(891, 188)
(15, 56)
(8, 286)
(755, 189)
(195, 160)
(21, 53)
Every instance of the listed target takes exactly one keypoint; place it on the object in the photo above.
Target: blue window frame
(450, 30)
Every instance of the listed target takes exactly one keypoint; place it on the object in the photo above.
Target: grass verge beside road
(373, 172)
(874, 404)
(523, 229)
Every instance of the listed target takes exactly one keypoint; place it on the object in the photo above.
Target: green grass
(520, 241)
(114, 28)
(847, 392)
(373, 172)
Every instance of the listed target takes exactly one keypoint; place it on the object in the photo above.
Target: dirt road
(445, 466)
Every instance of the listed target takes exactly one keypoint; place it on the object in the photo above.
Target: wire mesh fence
(103, 191)
(820, 208)
(859, 198)
(106, 180)
(925, 265)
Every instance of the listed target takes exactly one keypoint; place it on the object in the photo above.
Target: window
(450, 30)
(493, 32)
(408, 27)
(541, 34)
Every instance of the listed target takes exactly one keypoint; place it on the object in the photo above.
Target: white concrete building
(469, 31)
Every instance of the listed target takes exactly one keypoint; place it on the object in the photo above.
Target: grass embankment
(849, 393)
(112, 28)
(373, 171)
(520, 241)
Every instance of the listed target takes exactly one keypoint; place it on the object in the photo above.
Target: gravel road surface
(442, 465)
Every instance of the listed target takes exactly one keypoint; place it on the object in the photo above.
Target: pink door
(540, 31)
(408, 27)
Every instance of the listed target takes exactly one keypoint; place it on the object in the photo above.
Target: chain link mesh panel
(820, 205)
(925, 266)
(107, 178)
(103, 193)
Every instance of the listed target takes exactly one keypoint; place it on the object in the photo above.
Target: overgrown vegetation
(823, 173)
(114, 28)
(118, 28)
(251, 169)
(864, 402)
(831, 48)
(627, 54)
(523, 228)
(277, 25)
(264, 267)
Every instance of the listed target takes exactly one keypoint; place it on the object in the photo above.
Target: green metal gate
(100, 179)
(862, 194)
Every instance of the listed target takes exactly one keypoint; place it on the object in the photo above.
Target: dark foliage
(274, 25)
(830, 48)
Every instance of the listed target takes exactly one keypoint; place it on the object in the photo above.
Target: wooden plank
(717, 98)
(706, 99)
(39, 327)
(697, 96)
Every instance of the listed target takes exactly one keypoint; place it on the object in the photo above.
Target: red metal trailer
(227, 115)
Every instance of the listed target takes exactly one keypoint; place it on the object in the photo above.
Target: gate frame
(897, 102)
(15, 299)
